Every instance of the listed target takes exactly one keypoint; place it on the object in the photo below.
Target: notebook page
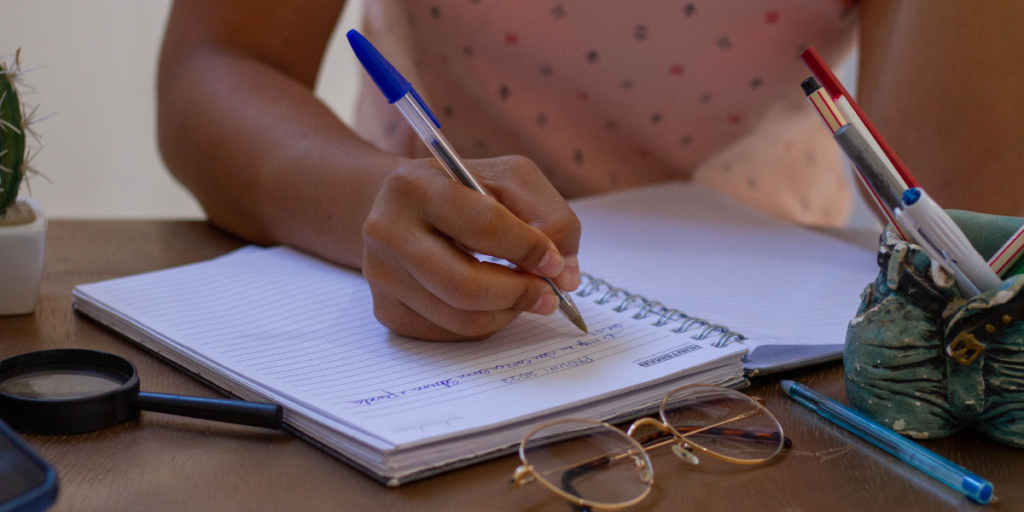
(306, 330)
(693, 249)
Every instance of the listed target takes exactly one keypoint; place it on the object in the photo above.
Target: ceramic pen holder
(924, 361)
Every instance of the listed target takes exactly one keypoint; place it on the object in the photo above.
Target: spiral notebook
(278, 325)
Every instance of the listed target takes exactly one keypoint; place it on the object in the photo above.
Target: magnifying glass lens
(70, 391)
(61, 383)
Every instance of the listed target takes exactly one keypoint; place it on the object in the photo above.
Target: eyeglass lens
(605, 466)
(724, 421)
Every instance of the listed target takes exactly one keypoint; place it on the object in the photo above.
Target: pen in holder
(924, 361)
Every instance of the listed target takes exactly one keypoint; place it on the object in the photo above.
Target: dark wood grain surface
(162, 462)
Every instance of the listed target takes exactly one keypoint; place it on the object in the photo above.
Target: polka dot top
(607, 95)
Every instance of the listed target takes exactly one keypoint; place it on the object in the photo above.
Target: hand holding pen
(428, 212)
(425, 286)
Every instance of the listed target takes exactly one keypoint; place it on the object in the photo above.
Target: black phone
(27, 482)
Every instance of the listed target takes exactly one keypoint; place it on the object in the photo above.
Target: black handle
(230, 411)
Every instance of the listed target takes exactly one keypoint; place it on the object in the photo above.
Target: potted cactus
(22, 222)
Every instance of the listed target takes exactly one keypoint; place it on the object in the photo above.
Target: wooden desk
(170, 463)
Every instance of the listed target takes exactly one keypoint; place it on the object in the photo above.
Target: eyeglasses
(600, 466)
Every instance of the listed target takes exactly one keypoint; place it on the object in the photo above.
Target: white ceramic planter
(21, 263)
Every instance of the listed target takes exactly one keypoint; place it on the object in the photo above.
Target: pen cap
(387, 78)
(810, 85)
(911, 196)
(391, 83)
(977, 488)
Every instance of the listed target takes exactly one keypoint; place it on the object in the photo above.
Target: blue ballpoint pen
(401, 94)
(975, 487)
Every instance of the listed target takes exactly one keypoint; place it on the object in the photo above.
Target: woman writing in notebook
(595, 97)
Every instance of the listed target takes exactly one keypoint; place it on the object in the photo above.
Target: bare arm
(240, 127)
(944, 83)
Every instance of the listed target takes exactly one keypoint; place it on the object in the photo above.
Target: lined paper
(305, 330)
(696, 250)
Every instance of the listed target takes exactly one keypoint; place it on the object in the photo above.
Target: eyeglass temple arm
(665, 433)
(715, 429)
(668, 437)
(649, 442)
(523, 476)
(577, 471)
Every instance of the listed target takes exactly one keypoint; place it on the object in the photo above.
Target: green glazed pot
(927, 363)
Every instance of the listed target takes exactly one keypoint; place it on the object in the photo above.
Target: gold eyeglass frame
(526, 473)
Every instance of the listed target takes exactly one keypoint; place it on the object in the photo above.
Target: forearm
(944, 83)
(264, 157)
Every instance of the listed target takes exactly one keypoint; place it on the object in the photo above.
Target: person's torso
(605, 95)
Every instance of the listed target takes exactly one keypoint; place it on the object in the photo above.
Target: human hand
(423, 281)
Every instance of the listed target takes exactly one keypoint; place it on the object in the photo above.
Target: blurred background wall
(94, 65)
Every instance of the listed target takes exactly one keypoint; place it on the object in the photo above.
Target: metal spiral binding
(647, 307)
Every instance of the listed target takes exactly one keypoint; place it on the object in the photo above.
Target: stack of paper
(277, 325)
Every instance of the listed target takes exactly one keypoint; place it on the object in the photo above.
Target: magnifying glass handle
(229, 411)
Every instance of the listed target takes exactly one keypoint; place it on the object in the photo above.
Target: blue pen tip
(911, 196)
(786, 384)
(387, 78)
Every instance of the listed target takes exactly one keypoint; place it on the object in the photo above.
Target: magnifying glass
(70, 391)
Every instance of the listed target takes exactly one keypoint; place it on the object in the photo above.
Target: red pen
(834, 120)
(839, 93)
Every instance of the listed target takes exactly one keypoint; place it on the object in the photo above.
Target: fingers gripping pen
(401, 94)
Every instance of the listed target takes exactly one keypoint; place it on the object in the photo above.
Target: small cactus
(15, 122)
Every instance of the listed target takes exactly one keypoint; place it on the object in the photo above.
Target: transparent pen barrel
(949, 473)
(425, 128)
(439, 146)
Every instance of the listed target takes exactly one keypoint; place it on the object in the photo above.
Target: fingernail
(546, 304)
(551, 265)
(572, 268)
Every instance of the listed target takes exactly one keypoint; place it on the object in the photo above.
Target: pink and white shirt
(604, 95)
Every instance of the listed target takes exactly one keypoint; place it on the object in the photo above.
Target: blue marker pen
(401, 94)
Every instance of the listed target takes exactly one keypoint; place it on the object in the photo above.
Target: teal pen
(975, 487)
